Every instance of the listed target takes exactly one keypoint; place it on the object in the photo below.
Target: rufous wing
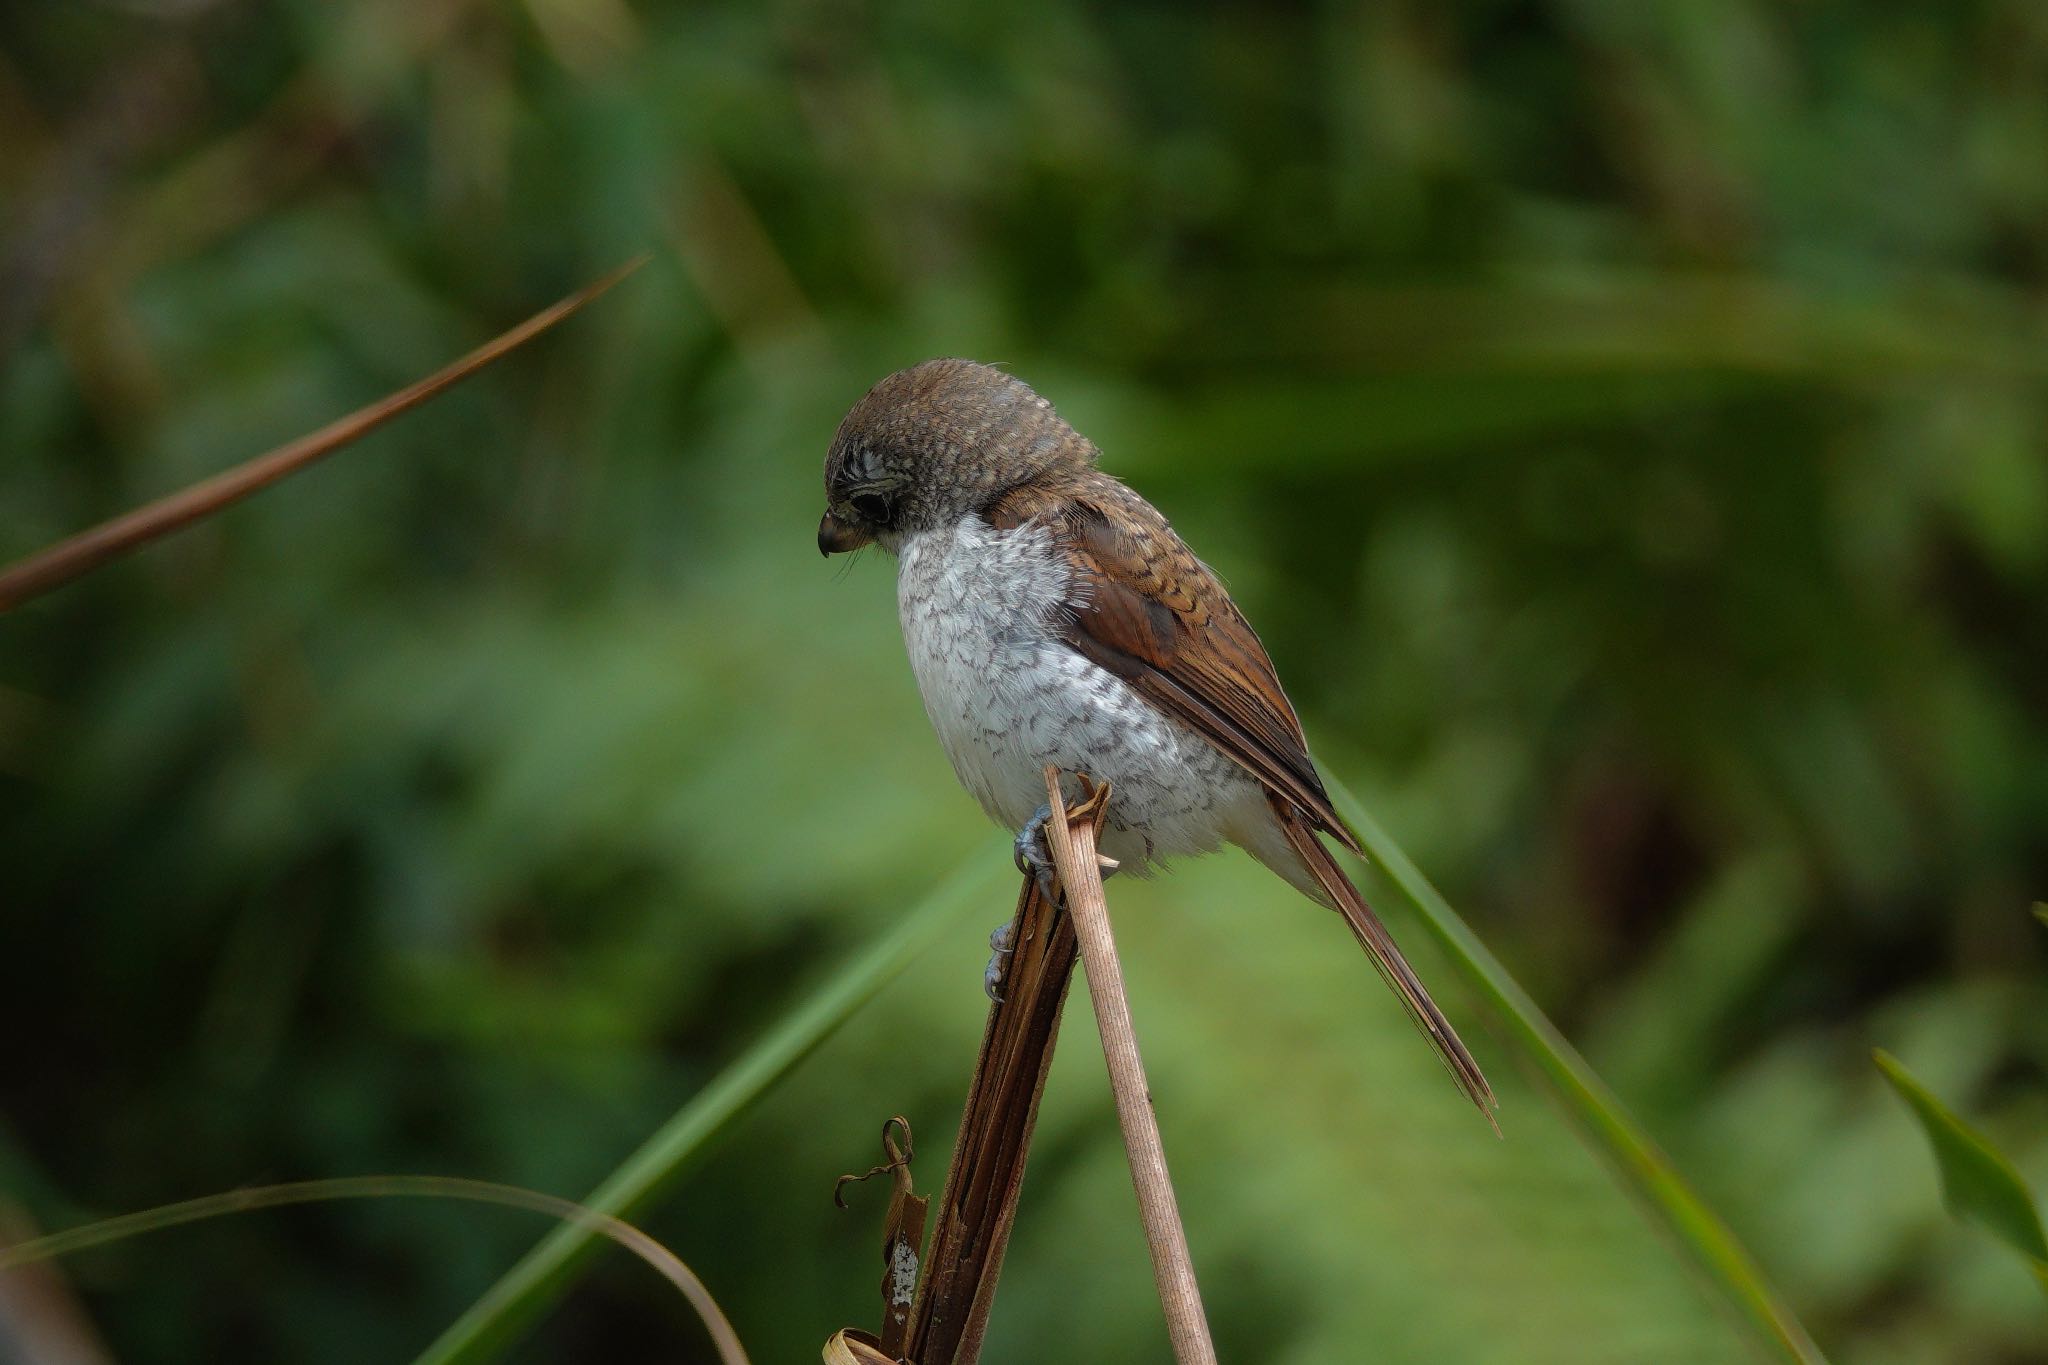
(1146, 609)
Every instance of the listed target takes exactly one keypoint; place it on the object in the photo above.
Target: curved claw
(1030, 846)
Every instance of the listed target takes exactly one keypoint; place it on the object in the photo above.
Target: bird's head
(933, 444)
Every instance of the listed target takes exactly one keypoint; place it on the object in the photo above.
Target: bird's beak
(835, 537)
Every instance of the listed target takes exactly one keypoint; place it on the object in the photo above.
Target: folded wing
(1144, 608)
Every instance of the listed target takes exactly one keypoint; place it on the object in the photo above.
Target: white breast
(1007, 696)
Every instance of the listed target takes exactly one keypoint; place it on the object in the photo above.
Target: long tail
(1393, 968)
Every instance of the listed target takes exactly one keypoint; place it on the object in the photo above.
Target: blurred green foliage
(1625, 423)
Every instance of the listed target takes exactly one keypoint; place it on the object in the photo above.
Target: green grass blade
(1978, 1184)
(510, 1305)
(1606, 1124)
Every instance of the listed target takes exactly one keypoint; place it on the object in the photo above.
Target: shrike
(1052, 616)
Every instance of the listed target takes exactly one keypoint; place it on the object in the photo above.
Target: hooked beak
(836, 537)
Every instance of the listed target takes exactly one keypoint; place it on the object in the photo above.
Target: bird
(1053, 616)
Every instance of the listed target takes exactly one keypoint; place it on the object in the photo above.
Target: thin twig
(625, 1234)
(1073, 851)
(58, 564)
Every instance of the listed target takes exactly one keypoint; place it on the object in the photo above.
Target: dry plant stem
(58, 564)
(975, 1213)
(902, 1236)
(1073, 851)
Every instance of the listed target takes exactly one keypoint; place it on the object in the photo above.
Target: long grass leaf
(542, 1274)
(1603, 1120)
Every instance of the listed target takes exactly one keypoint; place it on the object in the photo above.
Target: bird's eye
(873, 508)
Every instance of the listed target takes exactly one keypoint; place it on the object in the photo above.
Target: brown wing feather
(1150, 612)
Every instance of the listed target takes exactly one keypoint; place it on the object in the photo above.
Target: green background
(1624, 423)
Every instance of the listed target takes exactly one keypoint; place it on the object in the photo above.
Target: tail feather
(1393, 968)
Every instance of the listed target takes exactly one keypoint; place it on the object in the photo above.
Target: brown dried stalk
(1073, 851)
(979, 1206)
(58, 564)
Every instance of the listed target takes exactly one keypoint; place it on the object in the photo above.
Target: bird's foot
(1002, 943)
(1034, 860)
(1034, 854)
